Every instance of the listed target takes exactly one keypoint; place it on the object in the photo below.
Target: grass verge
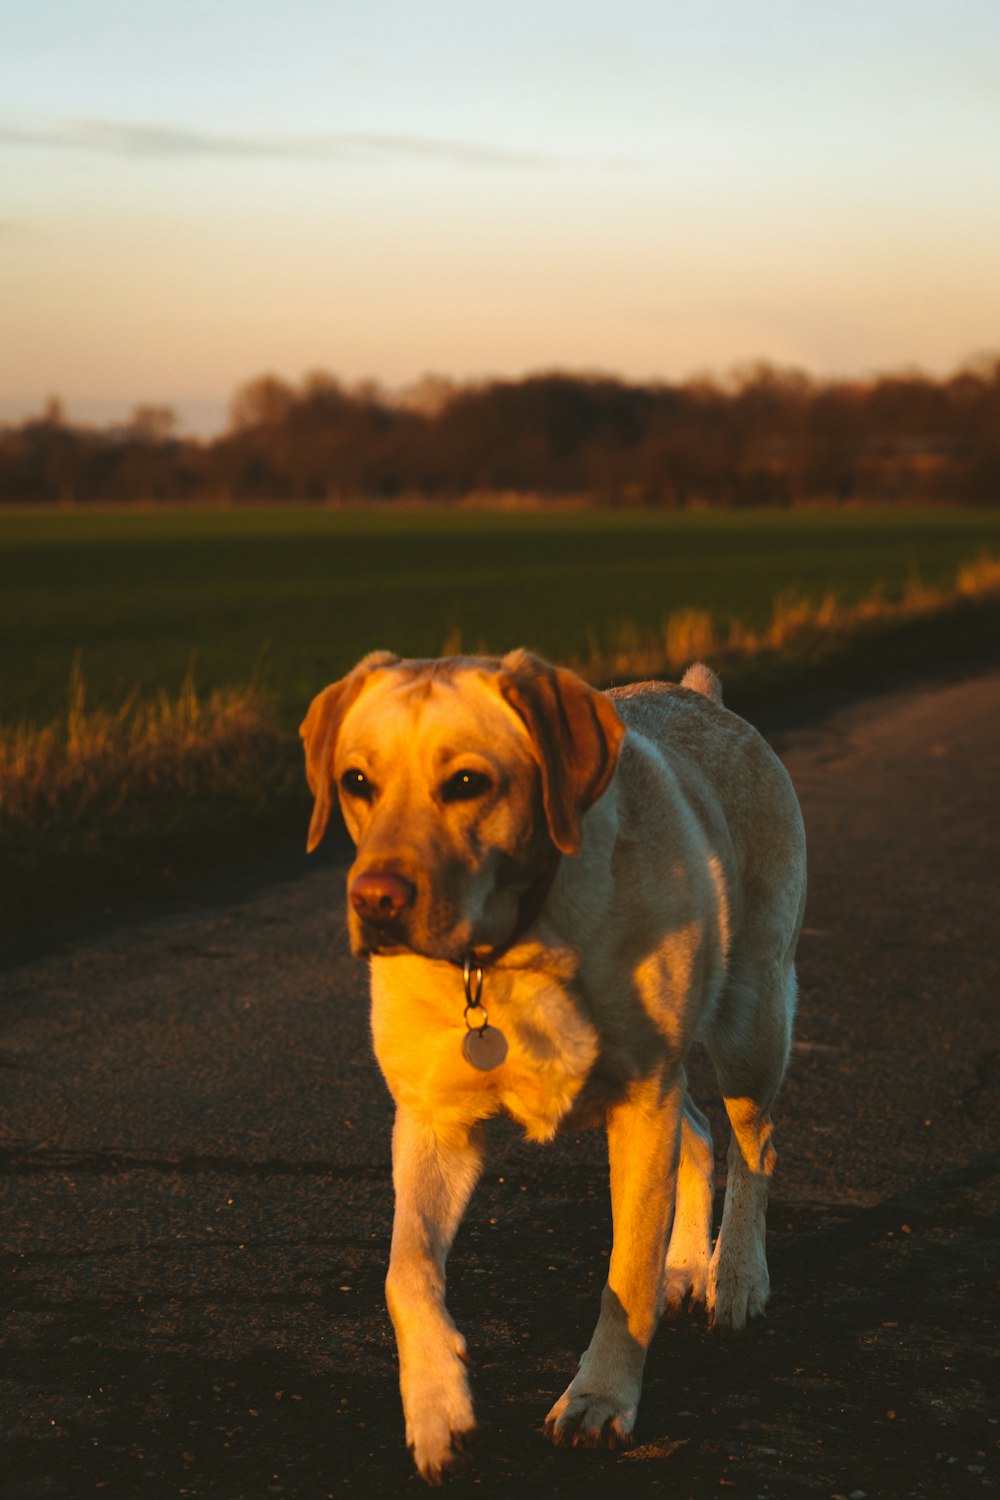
(96, 807)
(801, 634)
(99, 807)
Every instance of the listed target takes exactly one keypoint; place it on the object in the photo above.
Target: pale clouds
(149, 141)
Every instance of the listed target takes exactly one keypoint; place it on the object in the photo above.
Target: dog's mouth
(395, 939)
(378, 939)
(385, 949)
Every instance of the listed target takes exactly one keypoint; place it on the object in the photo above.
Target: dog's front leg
(600, 1404)
(434, 1174)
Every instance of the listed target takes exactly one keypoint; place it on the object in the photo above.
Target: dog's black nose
(379, 896)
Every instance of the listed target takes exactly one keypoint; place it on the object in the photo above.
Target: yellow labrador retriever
(560, 890)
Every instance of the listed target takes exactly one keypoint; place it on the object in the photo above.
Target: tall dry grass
(798, 628)
(153, 763)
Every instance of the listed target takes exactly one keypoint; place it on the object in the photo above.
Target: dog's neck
(533, 898)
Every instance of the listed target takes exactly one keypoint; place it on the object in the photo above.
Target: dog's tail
(701, 679)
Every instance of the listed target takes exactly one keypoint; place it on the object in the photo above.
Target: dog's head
(457, 780)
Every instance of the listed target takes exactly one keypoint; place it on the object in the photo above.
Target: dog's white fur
(673, 918)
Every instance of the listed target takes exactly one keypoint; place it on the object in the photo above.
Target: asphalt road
(196, 1193)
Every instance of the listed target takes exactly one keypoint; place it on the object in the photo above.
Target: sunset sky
(197, 192)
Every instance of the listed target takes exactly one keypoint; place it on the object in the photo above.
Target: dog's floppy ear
(319, 731)
(575, 735)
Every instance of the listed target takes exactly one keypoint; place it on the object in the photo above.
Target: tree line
(764, 437)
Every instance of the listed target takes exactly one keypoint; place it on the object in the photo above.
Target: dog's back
(734, 784)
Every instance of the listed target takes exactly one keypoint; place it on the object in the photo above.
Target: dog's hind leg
(749, 1043)
(690, 1249)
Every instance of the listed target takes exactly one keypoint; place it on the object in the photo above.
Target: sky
(195, 193)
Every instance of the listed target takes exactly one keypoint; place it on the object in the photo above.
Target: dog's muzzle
(381, 901)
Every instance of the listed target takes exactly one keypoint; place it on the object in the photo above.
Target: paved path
(196, 1196)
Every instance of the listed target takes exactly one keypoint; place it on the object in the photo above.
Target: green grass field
(308, 591)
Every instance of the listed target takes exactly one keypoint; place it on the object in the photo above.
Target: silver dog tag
(484, 1047)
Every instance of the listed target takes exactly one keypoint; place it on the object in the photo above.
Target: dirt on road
(197, 1201)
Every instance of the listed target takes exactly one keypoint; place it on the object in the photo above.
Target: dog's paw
(439, 1416)
(738, 1290)
(437, 1447)
(684, 1286)
(436, 1436)
(591, 1419)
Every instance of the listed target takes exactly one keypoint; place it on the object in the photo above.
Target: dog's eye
(356, 784)
(465, 786)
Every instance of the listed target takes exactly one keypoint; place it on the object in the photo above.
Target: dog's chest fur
(418, 1027)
